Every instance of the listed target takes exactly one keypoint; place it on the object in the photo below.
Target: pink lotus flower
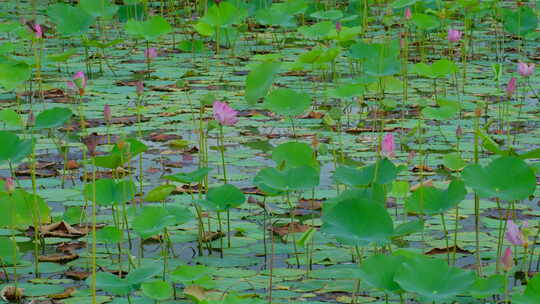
(9, 185)
(224, 114)
(150, 53)
(38, 31)
(507, 260)
(34, 27)
(408, 14)
(79, 81)
(511, 87)
(525, 70)
(107, 113)
(387, 145)
(513, 234)
(454, 35)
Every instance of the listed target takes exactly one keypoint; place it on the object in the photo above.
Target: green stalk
(525, 266)
(148, 58)
(455, 236)
(271, 269)
(94, 239)
(446, 238)
(356, 289)
(477, 199)
(201, 231)
(38, 69)
(405, 81)
(36, 217)
(506, 294)
(502, 228)
(165, 251)
(533, 248)
(222, 150)
(217, 39)
(139, 134)
(15, 276)
(291, 232)
(365, 17)
(220, 232)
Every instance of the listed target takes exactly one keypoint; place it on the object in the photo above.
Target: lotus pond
(259, 151)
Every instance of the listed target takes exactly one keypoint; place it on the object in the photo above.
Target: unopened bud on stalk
(507, 260)
(30, 120)
(150, 53)
(511, 87)
(139, 87)
(107, 113)
(408, 14)
(459, 132)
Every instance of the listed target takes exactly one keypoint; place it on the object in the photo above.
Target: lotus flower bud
(30, 119)
(150, 53)
(408, 14)
(107, 113)
(387, 146)
(459, 132)
(511, 87)
(139, 87)
(507, 260)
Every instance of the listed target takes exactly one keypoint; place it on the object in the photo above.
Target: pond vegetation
(259, 151)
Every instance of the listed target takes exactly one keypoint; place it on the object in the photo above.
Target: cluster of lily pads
(358, 151)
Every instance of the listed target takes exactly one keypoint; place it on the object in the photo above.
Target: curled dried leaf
(11, 294)
(64, 295)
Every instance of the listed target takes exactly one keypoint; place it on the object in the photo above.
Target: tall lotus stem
(270, 279)
(478, 113)
(291, 228)
(222, 151)
(10, 187)
(37, 55)
(226, 116)
(446, 238)
(36, 217)
(94, 238)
